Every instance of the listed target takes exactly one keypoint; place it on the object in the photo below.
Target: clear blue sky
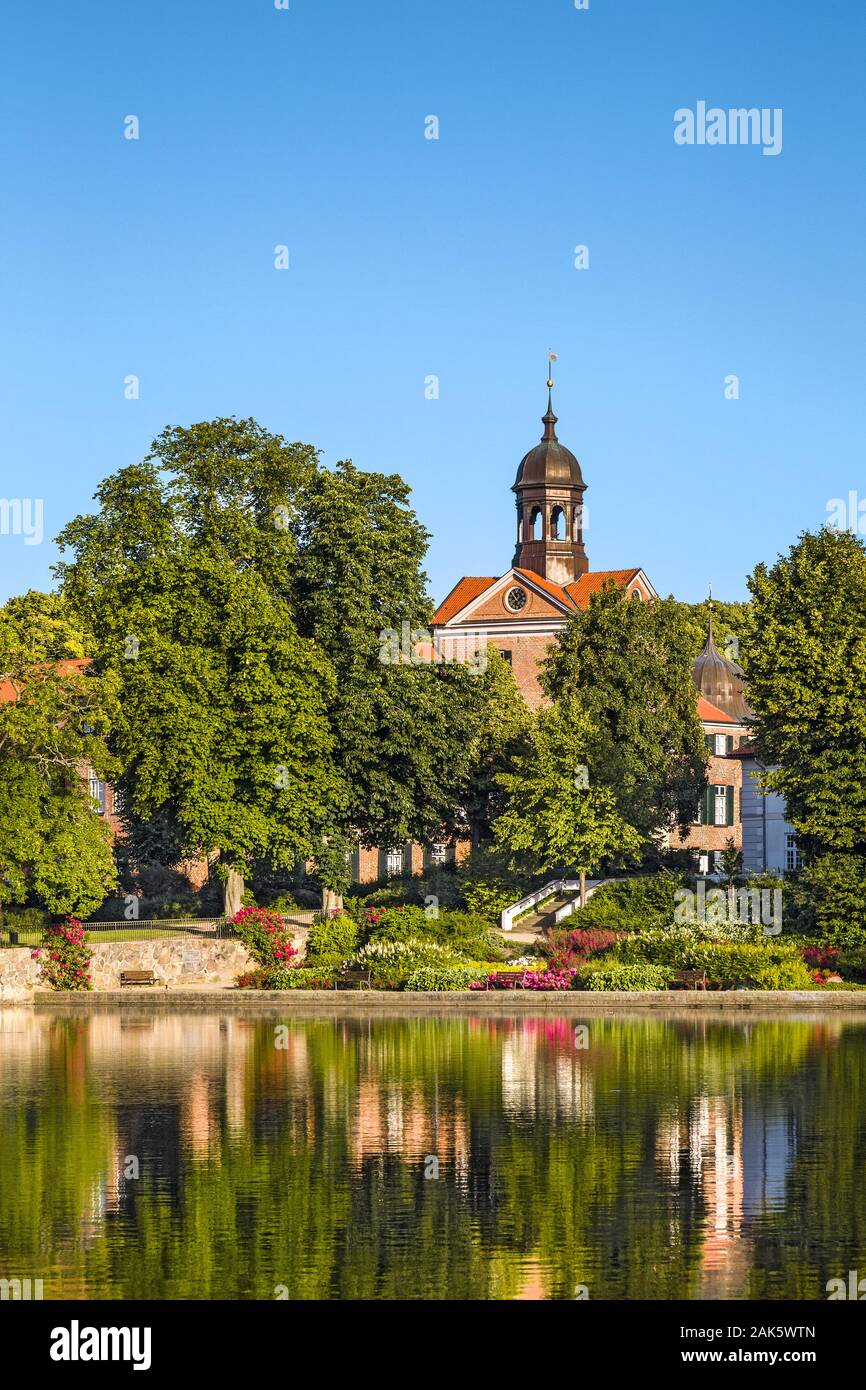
(453, 257)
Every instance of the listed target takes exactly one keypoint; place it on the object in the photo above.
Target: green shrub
(333, 936)
(469, 934)
(635, 904)
(442, 977)
(392, 962)
(833, 886)
(613, 975)
(395, 923)
(303, 977)
(488, 885)
(774, 965)
(26, 918)
(766, 963)
(278, 978)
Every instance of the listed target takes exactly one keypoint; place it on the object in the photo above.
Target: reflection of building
(738, 1156)
(530, 1087)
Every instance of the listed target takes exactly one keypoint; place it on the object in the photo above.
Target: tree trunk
(332, 903)
(234, 892)
(583, 887)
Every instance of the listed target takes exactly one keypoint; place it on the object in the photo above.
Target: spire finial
(710, 601)
(549, 420)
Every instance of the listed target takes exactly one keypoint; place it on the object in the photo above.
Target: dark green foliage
(407, 730)
(627, 666)
(634, 904)
(806, 665)
(835, 886)
(53, 849)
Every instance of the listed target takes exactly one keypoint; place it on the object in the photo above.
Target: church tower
(549, 488)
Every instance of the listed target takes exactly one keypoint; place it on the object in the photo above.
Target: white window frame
(792, 854)
(394, 862)
(97, 792)
(720, 805)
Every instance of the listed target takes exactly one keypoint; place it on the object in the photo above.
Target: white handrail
(550, 890)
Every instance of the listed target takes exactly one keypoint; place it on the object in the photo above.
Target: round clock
(515, 599)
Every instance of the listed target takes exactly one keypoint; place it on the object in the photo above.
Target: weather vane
(551, 358)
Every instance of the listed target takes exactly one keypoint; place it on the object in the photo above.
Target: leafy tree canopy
(242, 594)
(730, 624)
(557, 813)
(185, 576)
(805, 659)
(44, 627)
(407, 727)
(627, 666)
(53, 725)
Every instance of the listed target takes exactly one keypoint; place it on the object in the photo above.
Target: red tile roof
(592, 583)
(464, 591)
(712, 714)
(575, 595)
(555, 590)
(745, 750)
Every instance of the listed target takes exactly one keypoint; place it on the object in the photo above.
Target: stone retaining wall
(177, 960)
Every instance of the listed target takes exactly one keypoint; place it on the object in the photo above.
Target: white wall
(765, 829)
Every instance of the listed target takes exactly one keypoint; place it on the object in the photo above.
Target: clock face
(515, 599)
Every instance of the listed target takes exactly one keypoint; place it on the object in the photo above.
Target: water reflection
(216, 1156)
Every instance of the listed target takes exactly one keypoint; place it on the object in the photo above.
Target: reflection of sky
(769, 1142)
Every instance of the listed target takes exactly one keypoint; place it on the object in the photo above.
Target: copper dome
(549, 461)
(721, 681)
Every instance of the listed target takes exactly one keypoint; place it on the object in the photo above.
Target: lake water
(435, 1157)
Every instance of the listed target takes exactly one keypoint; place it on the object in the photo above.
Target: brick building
(521, 611)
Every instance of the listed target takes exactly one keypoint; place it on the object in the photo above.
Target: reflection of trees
(819, 1232)
(304, 1166)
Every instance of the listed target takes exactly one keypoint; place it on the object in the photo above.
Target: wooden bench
(506, 979)
(137, 977)
(691, 979)
(361, 978)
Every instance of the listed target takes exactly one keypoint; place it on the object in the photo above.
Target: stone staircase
(527, 928)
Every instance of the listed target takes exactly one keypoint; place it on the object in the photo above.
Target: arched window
(520, 527)
(577, 522)
(536, 530)
(557, 524)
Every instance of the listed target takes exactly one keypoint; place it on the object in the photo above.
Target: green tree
(185, 577)
(53, 726)
(806, 664)
(44, 627)
(408, 727)
(627, 665)
(730, 623)
(556, 812)
(503, 732)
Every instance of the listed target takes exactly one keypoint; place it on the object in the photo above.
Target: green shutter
(706, 816)
(729, 743)
(708, 740)
(729, 797)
